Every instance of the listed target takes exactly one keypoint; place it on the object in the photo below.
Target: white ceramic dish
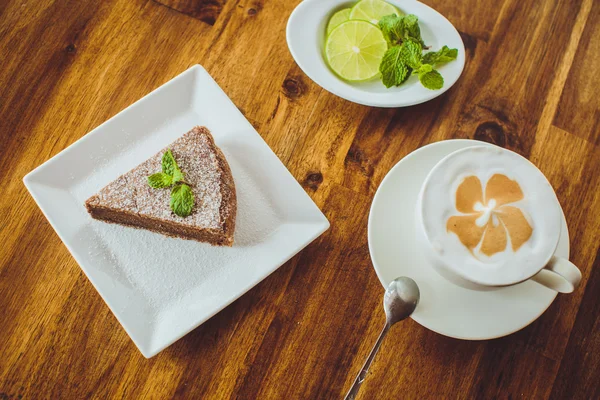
(161, 288)
(444, 307)
(306, 38)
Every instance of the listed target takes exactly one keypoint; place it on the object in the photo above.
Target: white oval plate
(444, 307)
(306, 39)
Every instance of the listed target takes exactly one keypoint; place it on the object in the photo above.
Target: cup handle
(560, 275)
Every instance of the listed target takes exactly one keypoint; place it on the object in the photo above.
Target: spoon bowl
(400, 299)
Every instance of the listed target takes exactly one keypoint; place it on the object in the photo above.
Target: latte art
(487, 223)
(489, 215)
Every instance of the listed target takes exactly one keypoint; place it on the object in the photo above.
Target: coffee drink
(490, 215)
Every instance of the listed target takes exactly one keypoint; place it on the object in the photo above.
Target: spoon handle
(363, 372)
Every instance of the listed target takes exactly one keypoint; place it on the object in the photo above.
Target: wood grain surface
(530, 84)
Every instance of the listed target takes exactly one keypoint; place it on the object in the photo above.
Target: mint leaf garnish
(397, 29)
(399, 61)
(392, 27)
(182, 200)
(160, 180)
(410, 53)
(177, 175)
(170, 167)
(393, 69)
(424, 68)
(443, 55)
(431, 80)
(405, 53)
(412, 29)
(168, 163)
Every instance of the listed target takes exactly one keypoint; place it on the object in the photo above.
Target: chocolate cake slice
(129, 200)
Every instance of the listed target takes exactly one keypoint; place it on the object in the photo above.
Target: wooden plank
(576, 189)
(503, 100)
(507, 371)
(204, 10)
(579, 110)
(578, 374)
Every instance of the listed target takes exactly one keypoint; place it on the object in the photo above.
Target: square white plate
(161, 288)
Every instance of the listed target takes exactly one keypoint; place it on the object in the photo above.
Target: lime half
(354, 50)
(338, 18)
(372, 10)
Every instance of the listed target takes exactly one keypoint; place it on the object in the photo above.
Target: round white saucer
(444, 307)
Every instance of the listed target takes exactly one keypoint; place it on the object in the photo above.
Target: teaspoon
(399, 302)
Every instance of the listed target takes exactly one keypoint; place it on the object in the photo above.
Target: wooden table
(530, 84)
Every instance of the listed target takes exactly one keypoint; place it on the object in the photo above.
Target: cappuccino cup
(487, 218)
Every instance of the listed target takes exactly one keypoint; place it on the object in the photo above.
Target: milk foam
(490, 215)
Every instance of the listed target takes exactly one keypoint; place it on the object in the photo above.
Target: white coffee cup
(487, 217)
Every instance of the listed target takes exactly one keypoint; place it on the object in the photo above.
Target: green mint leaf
(410, 53)
(392, 27)
(443, 55)
(432, 80)
(446, 54)
(169, 165)
(430, 58)
(424, 68)
(160, 180)
(410, 20)
(397, 29)
(412, 29)
(393, 70)
(177, 175)
(182, 200)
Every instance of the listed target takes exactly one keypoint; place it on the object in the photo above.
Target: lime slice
(338, 18)
(354, 50)
(372, 10)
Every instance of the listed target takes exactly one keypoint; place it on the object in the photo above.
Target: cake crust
(129, 201)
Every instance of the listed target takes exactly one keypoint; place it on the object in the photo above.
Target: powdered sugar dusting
(195, 156)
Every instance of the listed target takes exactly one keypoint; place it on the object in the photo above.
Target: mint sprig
(398, 28)
(412, 29)
(169, 167)
(441, 56)
(182, 198)
(410, 53)
(393, 69)
(160, 180)
(405, 53)
(431, 79)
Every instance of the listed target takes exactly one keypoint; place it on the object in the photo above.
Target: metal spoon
(399, 302)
